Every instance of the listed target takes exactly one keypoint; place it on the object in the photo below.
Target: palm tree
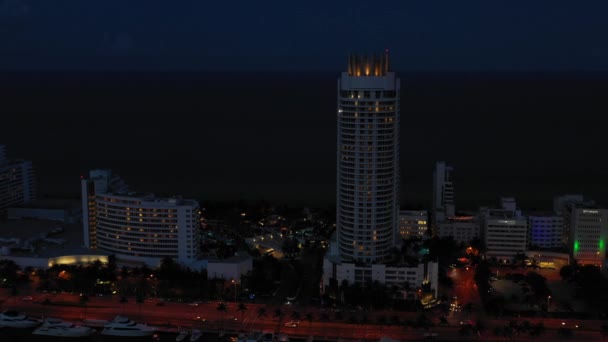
(604, 331)
(139, 299)
(309, 319)
(123, 301)
(242, 308)
(280, 314)
(83, 300)
(222, 309)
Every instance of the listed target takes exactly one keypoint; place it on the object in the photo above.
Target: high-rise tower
(443, 193)
(17, 182)
(368, 160)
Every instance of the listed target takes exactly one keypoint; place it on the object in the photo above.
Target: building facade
(545, 231)
(367, 221)
(17, 182)
(368, 160)
(589, 229)
(138, 228)
(443, 193)
(462, 228)
(563, 205)
(505, 231)
(421, 274)
(413, 224)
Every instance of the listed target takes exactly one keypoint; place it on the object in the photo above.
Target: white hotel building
(368, 160)
(505, 231)
(367, 219)
(138, 228)
(588, 233)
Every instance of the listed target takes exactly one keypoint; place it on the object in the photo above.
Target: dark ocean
(272, 136)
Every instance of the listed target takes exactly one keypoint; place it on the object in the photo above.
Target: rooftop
(52, 203)
(61, 239)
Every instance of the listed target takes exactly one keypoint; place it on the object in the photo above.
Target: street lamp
(234, 282)
(548, 299)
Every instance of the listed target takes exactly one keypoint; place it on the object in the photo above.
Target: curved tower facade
(368, 160)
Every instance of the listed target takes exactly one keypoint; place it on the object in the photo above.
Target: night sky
(222, 128)
(302, 35)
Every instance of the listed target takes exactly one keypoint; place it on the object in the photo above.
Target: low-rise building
(60, 210)
(545, 230)
(43, 243)
(505, 231)
(463, 228)
(231, 268)
(413, 224)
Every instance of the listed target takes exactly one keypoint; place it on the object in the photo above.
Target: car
(193, 304)
(292, 324)
(200, 319)
(28, 298)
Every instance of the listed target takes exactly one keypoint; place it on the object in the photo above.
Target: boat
(57, 327)
(267, 336)
(182, 335)
(196, 335)
(251, 337)
(123, 326)
(14, 319)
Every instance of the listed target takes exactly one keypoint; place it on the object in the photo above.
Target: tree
(242, 308)
(604, 331)
(309, 319)
(295, 315)
(566, 272)
(123, 300)
(139, 299)
(279, 314)
(222, 309)
(84, 299)
(262, 312)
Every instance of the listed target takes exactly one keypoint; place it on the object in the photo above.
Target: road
(465, 288)
(184, 315)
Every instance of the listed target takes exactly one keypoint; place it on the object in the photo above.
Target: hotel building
(17, 182)
(588, 232)
(505, 231)
(368, 115)
(368, 160)
(138, 228)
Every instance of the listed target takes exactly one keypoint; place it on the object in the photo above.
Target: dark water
(273, 135)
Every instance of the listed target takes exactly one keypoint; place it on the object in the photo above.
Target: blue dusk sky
(302, 35)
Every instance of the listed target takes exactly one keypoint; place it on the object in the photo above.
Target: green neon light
(601, 244)
(576, 246)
